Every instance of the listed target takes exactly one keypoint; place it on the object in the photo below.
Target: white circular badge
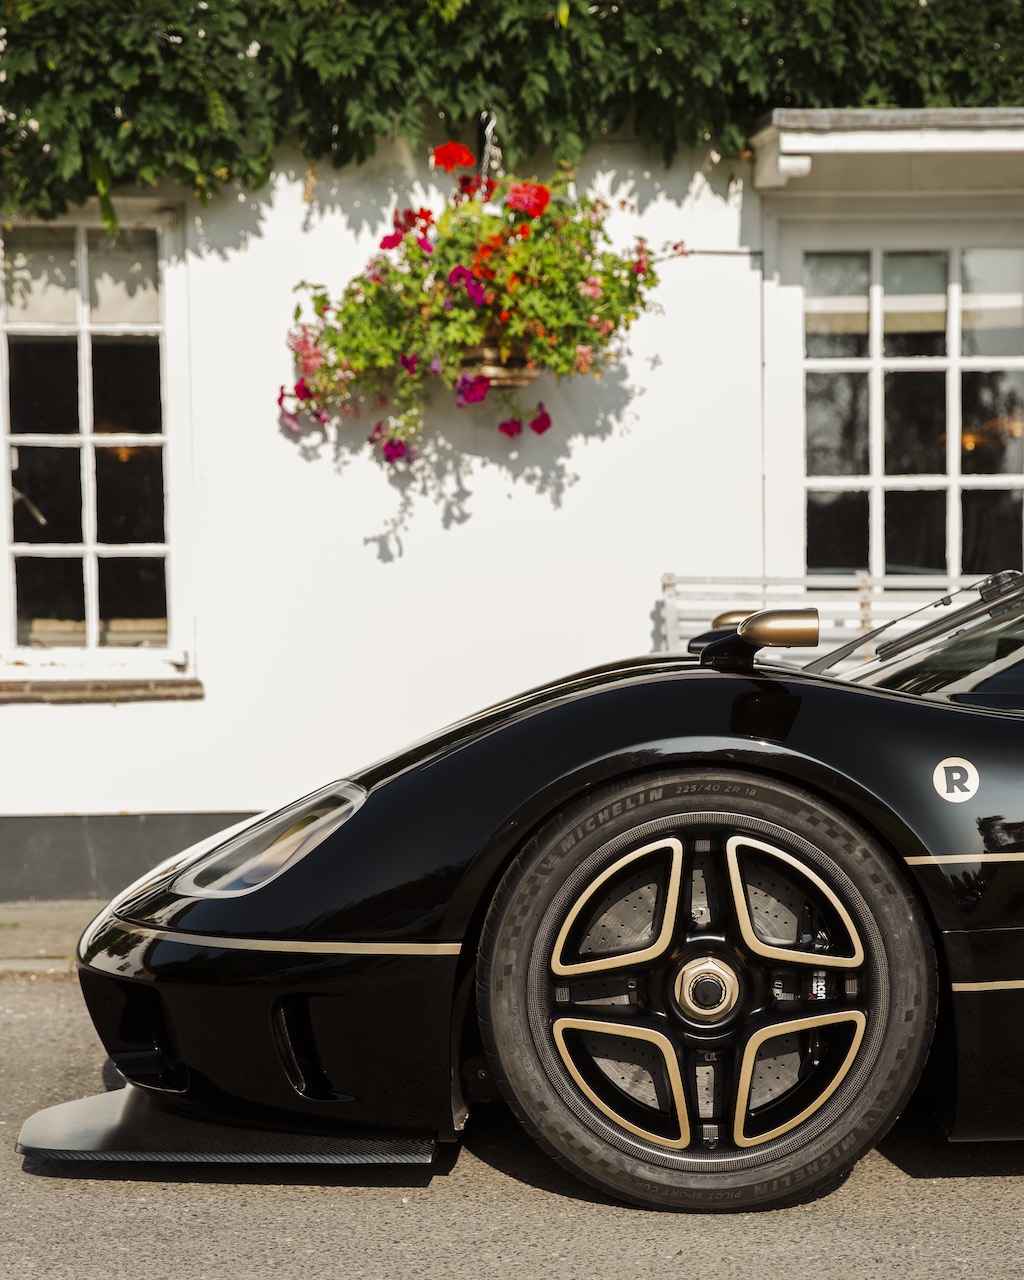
(956, 779)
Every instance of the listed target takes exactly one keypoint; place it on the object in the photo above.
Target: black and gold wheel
(706, 991)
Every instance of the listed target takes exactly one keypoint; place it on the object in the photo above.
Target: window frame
(860, 224)
(173, 662)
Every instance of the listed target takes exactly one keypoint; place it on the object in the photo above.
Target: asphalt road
(917, 1208)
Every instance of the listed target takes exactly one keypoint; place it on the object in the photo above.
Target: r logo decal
(956, 779)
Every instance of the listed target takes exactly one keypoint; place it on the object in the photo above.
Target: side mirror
(731, 618)
(781, 629)
(771, 628)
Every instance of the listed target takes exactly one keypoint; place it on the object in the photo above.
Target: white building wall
(340, 612)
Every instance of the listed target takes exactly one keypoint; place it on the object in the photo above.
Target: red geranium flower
(530, 198)
(452, 155)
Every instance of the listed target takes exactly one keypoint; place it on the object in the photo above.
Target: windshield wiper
(992, 589)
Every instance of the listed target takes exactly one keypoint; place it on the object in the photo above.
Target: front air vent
(136, 1029)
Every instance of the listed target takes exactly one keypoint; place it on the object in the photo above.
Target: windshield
(962, 646)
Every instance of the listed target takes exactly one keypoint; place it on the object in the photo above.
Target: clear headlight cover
(260, 853)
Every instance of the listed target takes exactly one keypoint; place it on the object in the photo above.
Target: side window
(83, 419)
(913, 371)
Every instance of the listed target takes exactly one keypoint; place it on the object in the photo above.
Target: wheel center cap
(706, 989)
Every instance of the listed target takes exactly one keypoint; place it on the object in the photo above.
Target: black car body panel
(341, 995)
(419, 861)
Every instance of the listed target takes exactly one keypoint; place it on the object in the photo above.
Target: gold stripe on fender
(940, 859)
(1011, 984)
(297, 946)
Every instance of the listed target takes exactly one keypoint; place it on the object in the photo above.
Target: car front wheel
(706, 991)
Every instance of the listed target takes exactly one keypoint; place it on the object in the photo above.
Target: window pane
(837, 531)
(126, 384)
(837, 424)
(914, 285)
(123, 277)
(44, 384)
(915, 423)
(992, 531)
(993, 302)
(51, 601)
(129, 495)
(39, 274)
(915, 532)
(133, 602)
(836, 303)
(992, 439)
(47, 494)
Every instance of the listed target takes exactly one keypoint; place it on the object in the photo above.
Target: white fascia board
(783, 153)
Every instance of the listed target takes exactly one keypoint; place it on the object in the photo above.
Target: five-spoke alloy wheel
(706, 991)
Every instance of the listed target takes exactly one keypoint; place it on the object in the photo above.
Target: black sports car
(695, 917)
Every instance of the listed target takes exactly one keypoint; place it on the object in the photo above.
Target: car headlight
(252, 858)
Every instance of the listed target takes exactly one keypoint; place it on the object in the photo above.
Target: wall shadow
(461, 444)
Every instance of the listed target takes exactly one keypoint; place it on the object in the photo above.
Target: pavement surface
(917, 1207)
(40, 937)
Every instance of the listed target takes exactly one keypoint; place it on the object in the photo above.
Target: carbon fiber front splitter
(130, 1125)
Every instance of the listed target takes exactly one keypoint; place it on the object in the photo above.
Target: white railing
(848, 604)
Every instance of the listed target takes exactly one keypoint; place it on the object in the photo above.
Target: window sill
(113, 691)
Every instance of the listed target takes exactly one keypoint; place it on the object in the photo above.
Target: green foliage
(94, 96)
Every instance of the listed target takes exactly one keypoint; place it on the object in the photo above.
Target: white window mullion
(8, 607)
(954, 416)
(85, 423)
(876, 422)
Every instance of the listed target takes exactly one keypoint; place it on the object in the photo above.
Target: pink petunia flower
(424, 244)
(511, 427)
(391, 241)
(541, 420)
(435, 365)
(471, 389)
(291, 422)
(409, 363)
(302, 391)
(393, 450)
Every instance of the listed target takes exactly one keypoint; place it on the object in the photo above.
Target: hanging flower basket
(486, 360)
(511, 279)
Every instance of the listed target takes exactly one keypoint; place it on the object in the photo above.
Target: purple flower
(376, 433)
(424, 244)
(393, 450)
(409, 363)
(511, 427)
(470, 389)
(461, 275)
(447, 304)
(541, 421)
(435, 365)
(291, 421)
